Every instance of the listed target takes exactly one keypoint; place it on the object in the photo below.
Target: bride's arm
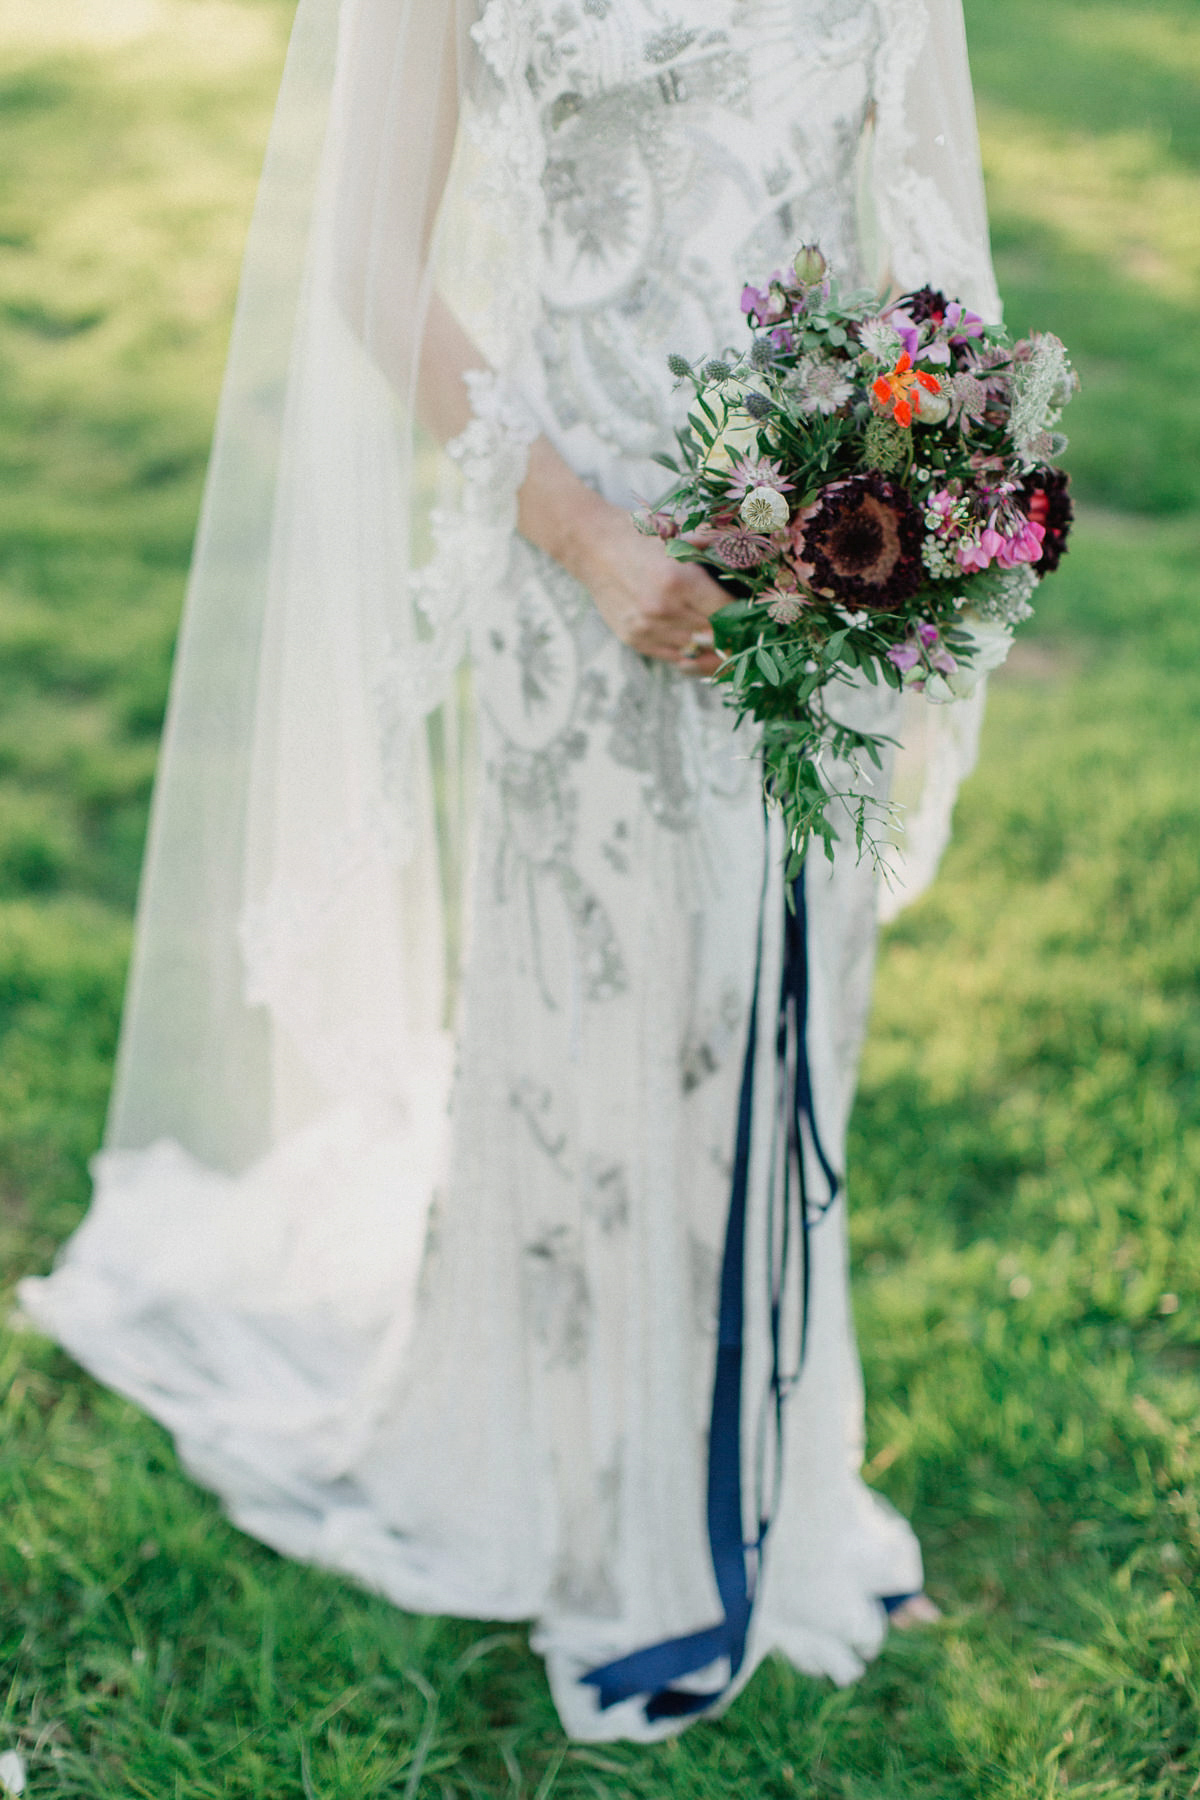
(394, 166)
(656, 605)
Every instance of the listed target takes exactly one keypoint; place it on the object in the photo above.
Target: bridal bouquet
(874, 486)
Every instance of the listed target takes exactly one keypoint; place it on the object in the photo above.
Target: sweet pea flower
(979, 553)
(927, 633)
(905, 657)
(965, 324)
(767, 304)
(908, 333)
(1024, 546)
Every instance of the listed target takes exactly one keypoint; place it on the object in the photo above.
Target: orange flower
(894, 391)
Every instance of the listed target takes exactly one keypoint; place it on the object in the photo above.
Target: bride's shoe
(906, 1610)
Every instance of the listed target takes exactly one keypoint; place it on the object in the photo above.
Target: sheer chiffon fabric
(409, 1218)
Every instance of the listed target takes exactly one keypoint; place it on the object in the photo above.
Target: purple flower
(908, 333)
(767, 305)
(927, 633)
(905, 657)
(944, 663)
(966, 324)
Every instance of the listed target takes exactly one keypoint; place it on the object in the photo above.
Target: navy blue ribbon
(736, 1564)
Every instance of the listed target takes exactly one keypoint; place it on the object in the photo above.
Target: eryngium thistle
(716, 370)
(758, 406)
(679, 366)
(762, 353)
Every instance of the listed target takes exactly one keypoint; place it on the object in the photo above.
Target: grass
(1026, 1151)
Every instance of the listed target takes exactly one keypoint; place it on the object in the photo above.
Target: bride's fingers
(708, 664)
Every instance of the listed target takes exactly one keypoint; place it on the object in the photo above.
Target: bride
(410, 1222)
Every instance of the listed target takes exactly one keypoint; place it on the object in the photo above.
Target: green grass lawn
(1026, 1152)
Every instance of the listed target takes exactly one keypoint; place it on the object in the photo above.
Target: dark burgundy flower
(1045, 497)
(926, 303)
(860, 543)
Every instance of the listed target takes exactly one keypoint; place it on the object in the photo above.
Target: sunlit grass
(1026, 1152)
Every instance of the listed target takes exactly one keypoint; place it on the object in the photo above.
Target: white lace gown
(535, 1446)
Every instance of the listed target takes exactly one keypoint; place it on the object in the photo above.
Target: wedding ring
(698, 645)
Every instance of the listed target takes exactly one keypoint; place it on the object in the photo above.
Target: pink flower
(927, 633)
(748, 472)
(944, 663)
(979, 553)
(769, 304)
(905, 656)
(1024, 546)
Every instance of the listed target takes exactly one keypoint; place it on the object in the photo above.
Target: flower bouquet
(873, 484)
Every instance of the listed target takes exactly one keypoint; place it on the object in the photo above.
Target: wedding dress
(410, 1218)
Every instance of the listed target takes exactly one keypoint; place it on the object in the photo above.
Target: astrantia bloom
(820, 386)
(1045, 498)
(862, 543)
(764, 509)
(746, 472)
(880, 340)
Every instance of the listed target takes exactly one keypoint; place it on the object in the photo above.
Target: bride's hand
(656, 605)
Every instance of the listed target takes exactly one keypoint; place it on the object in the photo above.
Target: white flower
(764, 509)
(820, 385)
(880, 340)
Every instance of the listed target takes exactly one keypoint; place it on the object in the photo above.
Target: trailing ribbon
(736, 1564)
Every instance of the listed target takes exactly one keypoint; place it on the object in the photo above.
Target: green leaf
(768, 665)
(666, 462)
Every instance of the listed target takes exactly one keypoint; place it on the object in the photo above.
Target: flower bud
(810, 266)
(679, 366)
(716, 370)
(931, 408)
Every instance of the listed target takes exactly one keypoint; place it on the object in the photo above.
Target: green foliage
(1026, 1148)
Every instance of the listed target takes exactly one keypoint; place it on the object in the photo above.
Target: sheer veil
(279, 1116)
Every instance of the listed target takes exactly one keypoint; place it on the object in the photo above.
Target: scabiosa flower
(735, 548)
(1045, 498)
(785, 608)
(764, 509)
(968, 400)
(748, 472)
(820, 385)
(861, 540)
